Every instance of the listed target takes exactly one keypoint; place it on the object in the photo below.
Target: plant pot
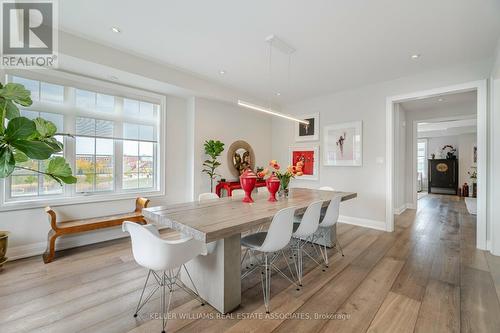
(4, 237)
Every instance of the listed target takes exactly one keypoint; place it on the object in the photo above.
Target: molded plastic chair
(207, 196)
(326, 188)
(166, 256)
(303, 233)
(270, 244)
(329, 221)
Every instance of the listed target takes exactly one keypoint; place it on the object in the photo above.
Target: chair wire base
(266, 263)
(166, 280)
(298, 247)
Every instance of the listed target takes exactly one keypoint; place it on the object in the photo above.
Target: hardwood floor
(427, 276)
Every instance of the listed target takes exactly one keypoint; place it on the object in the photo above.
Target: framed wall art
(343, 144)
(309, 155)
(307, 132)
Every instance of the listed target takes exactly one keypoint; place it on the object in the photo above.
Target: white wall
(494, 120)
(368, 104)
(434, 145)
(228, 123)
(466, 143)
(399, 164)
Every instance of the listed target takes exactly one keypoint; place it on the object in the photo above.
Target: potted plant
(213, 149)
(23, 139)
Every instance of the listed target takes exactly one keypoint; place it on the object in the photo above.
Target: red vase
(273, 185)
(247, 180)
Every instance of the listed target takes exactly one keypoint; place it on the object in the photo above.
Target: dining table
(220, 223)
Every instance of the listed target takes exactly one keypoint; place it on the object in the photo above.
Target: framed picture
(308, 132)
(310, 156)
(342, 144)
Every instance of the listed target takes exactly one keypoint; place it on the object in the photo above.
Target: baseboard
(400, 210)
(63, 243)
(361, 222)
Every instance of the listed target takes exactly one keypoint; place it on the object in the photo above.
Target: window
(30, 183)
(94, 101)
(138, 156)
(422, 158)
(94, 155)
(115, 145)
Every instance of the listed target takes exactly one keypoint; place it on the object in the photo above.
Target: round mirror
(240, 156)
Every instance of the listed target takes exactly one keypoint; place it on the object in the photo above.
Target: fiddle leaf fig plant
(213, 149)
(23, 139)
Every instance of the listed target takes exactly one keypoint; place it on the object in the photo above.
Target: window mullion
(119, 109)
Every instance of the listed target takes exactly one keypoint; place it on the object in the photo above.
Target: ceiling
(445, 125)
(447, 128)
(466, 100)
(340, 44)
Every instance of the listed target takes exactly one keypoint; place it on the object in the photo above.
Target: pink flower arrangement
(291, 172)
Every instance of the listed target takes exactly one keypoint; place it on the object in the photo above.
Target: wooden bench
(77, 226)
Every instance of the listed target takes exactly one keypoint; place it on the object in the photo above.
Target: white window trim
(70, 197)
(426, 157)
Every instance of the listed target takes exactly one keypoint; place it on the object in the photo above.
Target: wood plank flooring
(427, 276)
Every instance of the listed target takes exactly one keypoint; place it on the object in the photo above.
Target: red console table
(230, 186)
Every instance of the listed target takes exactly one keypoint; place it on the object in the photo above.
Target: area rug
(471, 204)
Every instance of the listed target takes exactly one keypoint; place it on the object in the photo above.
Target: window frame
(71, 82)
(426, 143)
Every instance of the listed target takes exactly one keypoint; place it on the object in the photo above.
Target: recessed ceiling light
(116, 29)
(415, 56)
(112, 77)
(440, 99)
(278, 93)
(222, 72)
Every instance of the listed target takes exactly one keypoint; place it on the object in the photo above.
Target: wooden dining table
(220, 223)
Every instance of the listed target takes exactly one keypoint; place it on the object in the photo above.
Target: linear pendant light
(287, 49)
(270, 111)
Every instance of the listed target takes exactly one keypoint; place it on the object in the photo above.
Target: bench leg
(50, 252)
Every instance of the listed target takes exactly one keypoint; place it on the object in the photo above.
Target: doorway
(397, 123)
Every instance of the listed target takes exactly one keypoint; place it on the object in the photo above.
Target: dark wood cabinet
(443, 176)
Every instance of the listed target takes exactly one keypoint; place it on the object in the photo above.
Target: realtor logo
(29, 34)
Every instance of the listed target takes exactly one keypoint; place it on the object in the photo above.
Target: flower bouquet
(284, 177)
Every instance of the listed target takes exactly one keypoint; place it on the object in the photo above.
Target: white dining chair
(270, 244)
(303, 233)
(164, 259)
(237, 193)
(326, 188)
(207, 196)
(329, 222)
